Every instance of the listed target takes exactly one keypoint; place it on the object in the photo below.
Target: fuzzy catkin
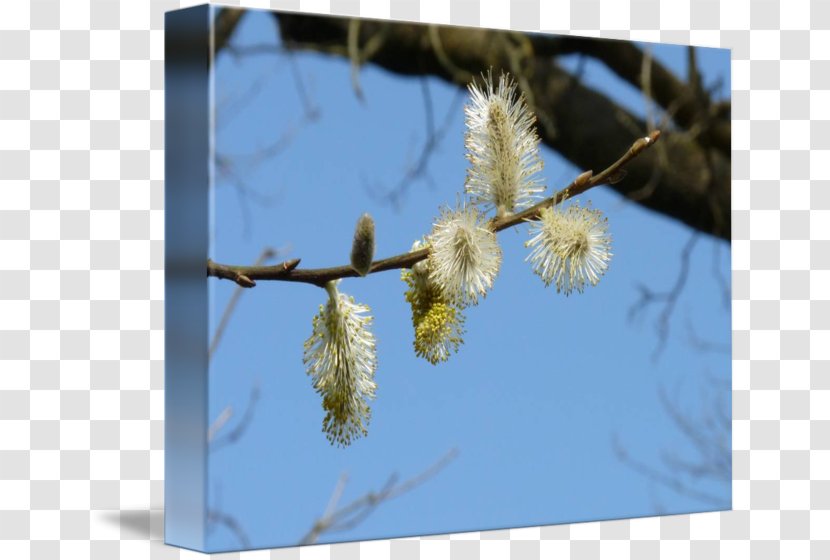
(363, 246)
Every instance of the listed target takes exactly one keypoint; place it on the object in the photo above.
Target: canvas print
(426, 279)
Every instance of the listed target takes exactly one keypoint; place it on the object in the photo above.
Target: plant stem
(246, 276)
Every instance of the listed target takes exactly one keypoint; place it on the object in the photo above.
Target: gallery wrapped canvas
(426, 279)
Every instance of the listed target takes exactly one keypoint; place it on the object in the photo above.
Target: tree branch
(589, 125)
(688, 102)
(669, 298)
(223, 27)
(582, 124)
(221, 518)
(234, 435)
(419, 170)
(709, 436)
(267, 253)
(246, 276)
(353, 513)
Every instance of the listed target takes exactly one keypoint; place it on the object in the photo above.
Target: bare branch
(704, 345)
(723, 281)
(311, 111)
(353, 513)
(238, 275)
(336, 495)
(232, 103)
(683, 188)
(664, 479)
(353, 46)
(686, 190)
(710, 437)
(219, 422)
(267, 254)
(669, 298)
(234, 435)
(223, 27)
(434, 136)
(227, 165)
(694, 79)
(221, 518)
(459, 75)
(687, 102)
(224, 417)
(247, 275)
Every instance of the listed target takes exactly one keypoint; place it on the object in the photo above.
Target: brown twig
(246, 276)
(240, 275)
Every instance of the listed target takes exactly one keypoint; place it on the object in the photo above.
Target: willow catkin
(363, 246)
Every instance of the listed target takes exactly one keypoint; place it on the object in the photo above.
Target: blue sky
(543, 383)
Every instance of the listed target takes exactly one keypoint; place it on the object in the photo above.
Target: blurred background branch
(346, 517)
(585, 126)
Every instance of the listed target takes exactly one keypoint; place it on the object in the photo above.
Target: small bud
(363, 246)
(583, 179)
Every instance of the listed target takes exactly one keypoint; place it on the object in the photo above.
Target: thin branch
(648, 97)
(355, 512)
(336, 495)
(230, 522)
(408, 51)
(219, 422)
(460, 75)
(371, 501)
(224, 417)
(310, 109)
(720, 277)
(701, 344)
(662, 478)
(650, 186)
(694, 78)
(227, 165)
(229, 107)
(353, 46)
(246, 276)
(687, 101)
(267, 254)
(234, 435)
(648, 296)
(227, 162)
(240, 51)
(238, 275)
(420, 168)
(243, 192)
(709, 434)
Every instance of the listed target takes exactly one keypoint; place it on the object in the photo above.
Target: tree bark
(687, 179)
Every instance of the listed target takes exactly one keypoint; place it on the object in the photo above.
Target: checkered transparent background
(81, 279)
